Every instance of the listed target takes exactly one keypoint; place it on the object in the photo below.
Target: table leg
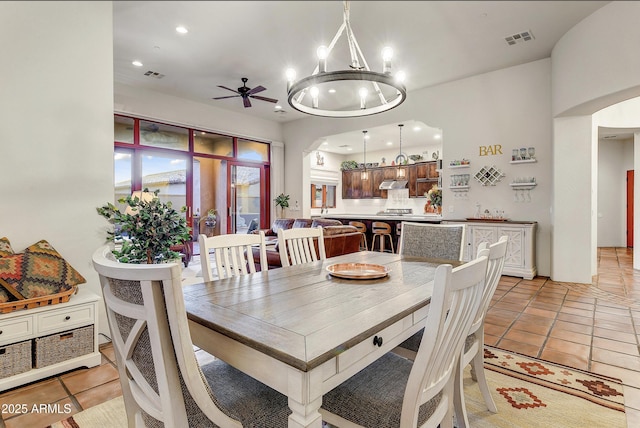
(305, 415)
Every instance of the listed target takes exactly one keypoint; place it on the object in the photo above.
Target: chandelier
(356, 91)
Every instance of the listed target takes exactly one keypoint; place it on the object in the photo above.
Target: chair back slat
(298, 246)
(232, 254)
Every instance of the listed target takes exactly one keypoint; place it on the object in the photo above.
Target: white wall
(509, 107)
(615, 157)
(179, 111)
(582, 83)
(595, 61)
(56, 104)
(626, 114)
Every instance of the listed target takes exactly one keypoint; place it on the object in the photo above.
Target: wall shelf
(524, 161)
(459, 166)
(523, 186)
(459, 188)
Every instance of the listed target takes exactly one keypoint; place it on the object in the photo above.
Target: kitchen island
(392, 219)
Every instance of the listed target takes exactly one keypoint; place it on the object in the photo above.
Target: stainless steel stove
(396, 211)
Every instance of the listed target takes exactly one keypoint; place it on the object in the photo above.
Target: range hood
(392, 184)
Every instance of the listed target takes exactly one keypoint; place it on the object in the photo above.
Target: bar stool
(381, 230)
(362, 228)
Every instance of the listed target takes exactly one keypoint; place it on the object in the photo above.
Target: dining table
(303, 330)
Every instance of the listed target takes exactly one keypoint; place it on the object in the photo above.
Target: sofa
(338, 238)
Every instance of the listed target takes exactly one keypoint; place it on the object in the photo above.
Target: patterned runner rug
(528, 392)
(534, 393)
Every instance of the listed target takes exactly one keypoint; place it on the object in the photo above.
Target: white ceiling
(434, 42)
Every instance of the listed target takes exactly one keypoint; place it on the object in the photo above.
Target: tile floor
(592, 327)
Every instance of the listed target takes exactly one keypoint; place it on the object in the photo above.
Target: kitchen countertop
(388, 217)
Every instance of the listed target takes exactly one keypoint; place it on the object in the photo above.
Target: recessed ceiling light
(326, 143)
(137, 63)
(332, 91)
(278, 107)
(417, 128)
(182, 30)
(366, 137)
(389, 143)
(437, 136)
(349, 149)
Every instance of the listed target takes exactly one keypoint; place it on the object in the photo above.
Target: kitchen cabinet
(426, 176)
(354, 187)
(420, 177)
(377, 177)
(520, 259)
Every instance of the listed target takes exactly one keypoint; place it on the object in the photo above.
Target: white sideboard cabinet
(45, 341)
(521, 250)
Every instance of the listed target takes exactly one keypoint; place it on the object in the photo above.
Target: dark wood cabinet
(420, 178)
(377, 177)
(426, 177)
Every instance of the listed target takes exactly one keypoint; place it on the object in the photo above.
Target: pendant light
(401, 172)
(365, 174)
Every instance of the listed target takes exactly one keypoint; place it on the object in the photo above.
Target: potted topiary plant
(147, 229)
(282, 201)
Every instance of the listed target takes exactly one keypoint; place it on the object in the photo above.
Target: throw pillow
(4, 295)
(5, 247)
(39, 271)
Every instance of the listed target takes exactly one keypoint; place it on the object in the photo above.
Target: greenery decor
(349, 164)
(211, 218)
(282, 201)
(147, 229)
(435, 196)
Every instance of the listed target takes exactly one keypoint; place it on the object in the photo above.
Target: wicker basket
(36, 302)
(15, 358)
(63, 346)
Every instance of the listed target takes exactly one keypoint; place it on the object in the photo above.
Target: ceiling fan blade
(256, 90)
(271, 100)
(228, 89)
(222, 98)
(246, 102)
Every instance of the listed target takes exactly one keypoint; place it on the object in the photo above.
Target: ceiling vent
(154, 74)
(519, 38)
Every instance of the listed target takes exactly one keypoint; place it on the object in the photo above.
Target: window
(212, 144)
(323, 196)
(190, 167)
(253, 151)
(165, 136)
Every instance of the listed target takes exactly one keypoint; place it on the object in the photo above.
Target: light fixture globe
(362, 92)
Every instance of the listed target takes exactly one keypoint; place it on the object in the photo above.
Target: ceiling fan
(246, 93)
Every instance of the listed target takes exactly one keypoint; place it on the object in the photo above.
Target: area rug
(528, 392)
(108, 414)
(533, 393)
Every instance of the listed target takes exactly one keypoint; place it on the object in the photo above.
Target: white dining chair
(298, 245)
(232, 253)
(436, 241)
(473, 351)
(440, 241)
(396, 392)
(162, 383)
